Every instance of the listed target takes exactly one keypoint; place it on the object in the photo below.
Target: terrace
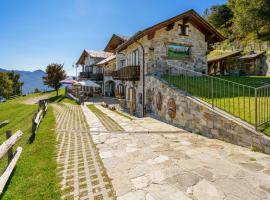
(91, 76)
(247, 98)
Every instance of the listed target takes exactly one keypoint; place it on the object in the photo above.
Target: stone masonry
(197, 117)
(156, 60)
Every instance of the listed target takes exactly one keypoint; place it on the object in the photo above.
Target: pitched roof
(98, 54)
(224, 56)
(106, 60)
(253, 55)
(115, 41)
(92, 54)
(123, 37)
(212, 35)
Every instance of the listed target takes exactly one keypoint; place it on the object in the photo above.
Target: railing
(6, 148)
(248, 103)
(91, 75)
(3, 123)
(42, 110)
(108, 73)
(128, 73)
(116, 75)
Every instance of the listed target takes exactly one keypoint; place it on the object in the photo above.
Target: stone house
(181, 41)
(89, 68)
(109, 65)
(235, 63)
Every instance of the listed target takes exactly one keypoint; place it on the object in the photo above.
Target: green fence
(249, 103)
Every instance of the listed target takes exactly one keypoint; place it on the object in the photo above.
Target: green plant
(54, 74)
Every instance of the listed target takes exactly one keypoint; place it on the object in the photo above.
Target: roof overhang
(81, 60)
(114, 42)
(225, 56)
(191, 16)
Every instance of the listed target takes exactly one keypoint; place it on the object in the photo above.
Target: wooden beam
(151, 35)
(170, 26)
(5, 176)
(10, 143)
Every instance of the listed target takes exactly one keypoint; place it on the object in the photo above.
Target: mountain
(31, 80)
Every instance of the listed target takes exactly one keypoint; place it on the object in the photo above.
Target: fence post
(212, 92)
(34, 126)
(256, 111)
(10, 152)
(186, 84)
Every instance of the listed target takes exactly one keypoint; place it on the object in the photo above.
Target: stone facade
(197, 117)
(156, 60)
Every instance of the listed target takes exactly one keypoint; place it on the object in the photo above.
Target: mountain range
(31, 80)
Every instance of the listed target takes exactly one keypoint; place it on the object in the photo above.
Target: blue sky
(35, 33)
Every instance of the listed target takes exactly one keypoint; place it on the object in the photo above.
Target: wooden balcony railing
(108, 73)
(128, 73)
(92, 76)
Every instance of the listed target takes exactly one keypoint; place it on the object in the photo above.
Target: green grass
(35, 173)
(108, 122)
(235, 99)
(61, 98)
(122, 114)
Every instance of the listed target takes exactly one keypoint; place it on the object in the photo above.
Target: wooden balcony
(91, 76)
(108, 73)
(128, 73)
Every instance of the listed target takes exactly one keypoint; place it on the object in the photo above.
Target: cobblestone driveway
(79, 165)
(159, 166)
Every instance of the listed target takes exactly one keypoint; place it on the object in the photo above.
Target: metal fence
(241, 100)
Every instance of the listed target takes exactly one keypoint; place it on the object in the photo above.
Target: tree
(218, 15)
(36, 90)
(55, 73)
(5, 85)
(250, 16)
(16, 84)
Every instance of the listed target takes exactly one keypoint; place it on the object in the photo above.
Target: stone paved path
(79, 165)
(158, 166)
(35, 100)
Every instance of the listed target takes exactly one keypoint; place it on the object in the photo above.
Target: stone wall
(171, 105)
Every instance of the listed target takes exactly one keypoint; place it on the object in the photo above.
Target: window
(89, 69)
(183, 29)
(135, 57)
(122, 63)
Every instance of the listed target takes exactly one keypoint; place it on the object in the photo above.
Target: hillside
(31, 80)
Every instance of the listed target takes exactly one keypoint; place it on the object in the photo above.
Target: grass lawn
(61, 98)
(235, 99)
(122, 114)
(108, 122)
(35, 173)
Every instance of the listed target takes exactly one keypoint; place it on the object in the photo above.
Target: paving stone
(131, 149)
(140, 182)
(205, 190)
(149, 197)
(137, 195)
(138, 170)
(184, 180)
(168, 192)
(106, 154)
(239, 188)
(253, 166)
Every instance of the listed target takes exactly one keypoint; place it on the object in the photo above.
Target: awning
(68, 81)
(89, 83)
